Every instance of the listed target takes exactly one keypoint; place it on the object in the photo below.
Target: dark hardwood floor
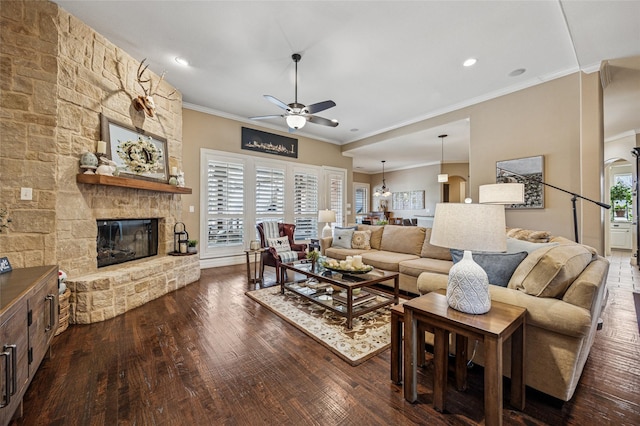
(209, 355)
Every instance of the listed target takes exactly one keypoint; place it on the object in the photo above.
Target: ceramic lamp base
(326, 231)
(468, 287)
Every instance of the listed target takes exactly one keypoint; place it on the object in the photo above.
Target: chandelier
(442, 177)
(384, 191)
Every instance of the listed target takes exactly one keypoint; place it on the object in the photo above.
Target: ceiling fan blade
(320, 106)
(264, 117)
(276, 101)
(323, 121)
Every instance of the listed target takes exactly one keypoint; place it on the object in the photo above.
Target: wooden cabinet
(28, 321)
(621, 235)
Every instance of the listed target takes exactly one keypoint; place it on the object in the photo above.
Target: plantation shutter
(270, 189)
(336, 197)
(305, 208)
(225, 203)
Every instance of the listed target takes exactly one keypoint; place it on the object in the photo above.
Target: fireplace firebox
(124, 240)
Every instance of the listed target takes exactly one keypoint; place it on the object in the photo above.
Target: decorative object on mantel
(145, 103)
(106, 167)
(126, 182)
(136, 152)
(89, 162)
(192, 246)
(181, 179)
(180, 238)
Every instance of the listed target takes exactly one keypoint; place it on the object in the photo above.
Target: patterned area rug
(371, 333)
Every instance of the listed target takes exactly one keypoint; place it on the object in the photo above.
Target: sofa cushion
(280, 244)
(498, 266)
(548, 272)
(515, 245)
(387, 260)
(361, 240)
(342, 238)
(403, 239)
(434, 252)
(376, 234)
(415, 267)
(342, 253)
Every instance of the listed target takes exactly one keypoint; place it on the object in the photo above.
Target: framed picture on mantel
(137, 153)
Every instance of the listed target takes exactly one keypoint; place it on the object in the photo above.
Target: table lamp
(468, 227)
(327, 216)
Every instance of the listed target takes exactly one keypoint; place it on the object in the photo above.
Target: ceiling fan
(296, 115)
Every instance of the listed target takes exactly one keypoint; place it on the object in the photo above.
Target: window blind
(305, 208)
(270, 189)
(225, 203)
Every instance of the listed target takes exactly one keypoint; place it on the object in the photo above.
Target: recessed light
(182, 61)
(470, 62)
(517, 72)
(354, 130)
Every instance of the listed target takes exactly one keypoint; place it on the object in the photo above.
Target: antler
(145, 102)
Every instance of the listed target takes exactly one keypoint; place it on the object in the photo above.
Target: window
(242, 190)
(305, 208)
(225, 204)
(269, 194)
(361, 200)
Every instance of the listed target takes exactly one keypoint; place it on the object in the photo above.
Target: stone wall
(57, 76)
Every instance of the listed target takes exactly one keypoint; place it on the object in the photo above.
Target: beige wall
(560, 119)
(202, 130)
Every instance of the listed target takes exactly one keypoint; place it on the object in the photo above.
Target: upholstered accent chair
(273, 257)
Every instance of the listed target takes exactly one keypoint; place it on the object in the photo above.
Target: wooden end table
(493, 328)
(257, 265)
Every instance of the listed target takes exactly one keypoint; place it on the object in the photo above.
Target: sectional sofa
(561, 284)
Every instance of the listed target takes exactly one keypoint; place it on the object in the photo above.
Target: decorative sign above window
(255, 140)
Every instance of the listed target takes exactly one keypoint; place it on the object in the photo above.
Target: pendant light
(385, 192)
(442, 177)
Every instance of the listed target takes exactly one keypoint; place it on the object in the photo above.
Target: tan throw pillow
(549, 271)
(403, 239)
(361, 240)
(433, 252)
(529, 235)
(376, 234)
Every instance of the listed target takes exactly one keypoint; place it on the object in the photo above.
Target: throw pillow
(529, 235)
(361, 240)
(342, 238)
(498, 266)
(550, 271)
(376, 234)
(515, 246)
(280, 244)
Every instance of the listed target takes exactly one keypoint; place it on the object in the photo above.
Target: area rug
(370, 335)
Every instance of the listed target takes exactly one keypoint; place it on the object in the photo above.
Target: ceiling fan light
(296, 121)
(443, 178)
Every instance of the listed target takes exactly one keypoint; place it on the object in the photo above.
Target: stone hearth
(106, 294)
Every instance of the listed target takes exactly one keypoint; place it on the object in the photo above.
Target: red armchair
(270, 257)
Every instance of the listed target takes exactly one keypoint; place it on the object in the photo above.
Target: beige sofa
(562, 285)
(564, 291)
(403, 249)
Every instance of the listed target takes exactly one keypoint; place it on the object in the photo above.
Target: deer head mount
(145, 103)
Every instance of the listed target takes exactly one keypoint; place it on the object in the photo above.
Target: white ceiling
(384, 63)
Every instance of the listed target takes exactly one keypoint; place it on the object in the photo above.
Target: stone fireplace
(124, 240)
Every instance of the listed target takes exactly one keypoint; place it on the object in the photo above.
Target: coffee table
(316, 283)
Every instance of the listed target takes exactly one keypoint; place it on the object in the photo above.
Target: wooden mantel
(131, 183)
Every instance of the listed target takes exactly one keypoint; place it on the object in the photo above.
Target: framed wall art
(528, 171)
(135, 152)
(408, 200)
(255, 140)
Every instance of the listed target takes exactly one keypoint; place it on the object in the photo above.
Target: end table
(256, 278)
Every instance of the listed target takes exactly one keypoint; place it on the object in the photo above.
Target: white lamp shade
(502, 193)
(326, 216)
(479, 227)
(443, 177)
(296, 121)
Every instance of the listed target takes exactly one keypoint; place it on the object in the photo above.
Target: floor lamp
(574, 197)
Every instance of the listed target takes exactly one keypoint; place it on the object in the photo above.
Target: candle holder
(180, 238)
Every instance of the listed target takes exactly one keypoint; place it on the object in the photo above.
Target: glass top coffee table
(356, 295)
